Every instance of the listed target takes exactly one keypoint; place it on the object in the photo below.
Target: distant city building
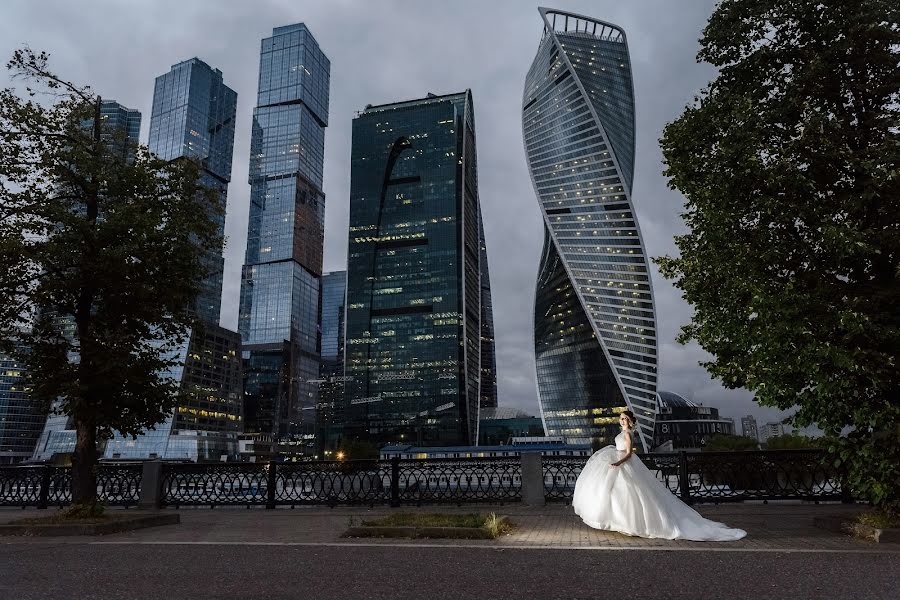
(685, 425)
(120, 130)
(193, 117)
(206, 422)
(488, 353)
(594, 319)
(414, 275)
(331, 373)
(499, 425)
(551, 448)
(749, 428)
(21, 419)
(770, 429)
(121, 126)
(279, 306)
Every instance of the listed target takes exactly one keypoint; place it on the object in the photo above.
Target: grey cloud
(382, 51)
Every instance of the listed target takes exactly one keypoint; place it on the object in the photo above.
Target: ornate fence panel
(119, 484)
(456, 481)
(20, 486)
(560, 474)
(46, 485)
(215, 484)
(762, 475)
(332, 483)
(720, 476)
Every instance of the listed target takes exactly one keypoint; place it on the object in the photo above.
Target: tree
(793, 441)
(723, 442)
(790, 165)
(101, 260)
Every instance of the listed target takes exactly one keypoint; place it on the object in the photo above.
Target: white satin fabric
(631, 500)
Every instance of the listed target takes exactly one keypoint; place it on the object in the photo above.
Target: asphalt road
(47, 571)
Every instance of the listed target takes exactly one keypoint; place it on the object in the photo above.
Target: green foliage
(723, 442)
(794, 441)
(100, 259)
(879, 520)
(790, 165)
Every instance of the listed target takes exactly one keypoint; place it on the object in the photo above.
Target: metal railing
(694, 477)
(45, 485)
(721, 476)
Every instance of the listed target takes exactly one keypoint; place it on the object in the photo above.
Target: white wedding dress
(631, 500)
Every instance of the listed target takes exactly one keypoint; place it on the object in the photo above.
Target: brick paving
(787, 526)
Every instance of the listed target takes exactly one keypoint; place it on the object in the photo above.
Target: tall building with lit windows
(21, 419)
(331, 372)
(193, 117)
(488, 381)
(414, 275)
(280, 281)
(594, 318)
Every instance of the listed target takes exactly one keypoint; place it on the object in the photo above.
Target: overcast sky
(384, 51)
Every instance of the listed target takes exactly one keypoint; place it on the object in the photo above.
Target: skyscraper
(595, 325)
(414, 289)
(749, 428)
(280, 280)
(193, 117)
(120, 129)
(331, 373)
(21, 419)
(488, 355)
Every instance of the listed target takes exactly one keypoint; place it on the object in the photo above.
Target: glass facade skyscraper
(414, 288)
(278, 318)
(120, 128)
(331, 373)
(594, 318)
(21, 420)
(488, 382)
(193, 116)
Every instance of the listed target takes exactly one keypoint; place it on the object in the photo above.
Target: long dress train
(631, 500)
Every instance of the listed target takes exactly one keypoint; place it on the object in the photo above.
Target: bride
(617, 492)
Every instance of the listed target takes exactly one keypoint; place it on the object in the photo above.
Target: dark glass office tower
(120, 129)
(413, 353)
(279, 311)
(488, 356)
(594, 321)
(331, 373)
(21, 420)
(193, 116)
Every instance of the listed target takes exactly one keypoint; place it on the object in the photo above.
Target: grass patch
(432, 523)
(878, 520)
(402, 519)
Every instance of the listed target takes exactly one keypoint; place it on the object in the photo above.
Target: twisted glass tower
(594, 321)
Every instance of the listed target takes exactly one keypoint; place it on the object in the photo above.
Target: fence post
(151, 485)
(532, 479)
(44, 494)
(395, 481)
(271, 482)
(684, 481)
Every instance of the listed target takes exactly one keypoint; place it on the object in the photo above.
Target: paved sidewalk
(772, 527)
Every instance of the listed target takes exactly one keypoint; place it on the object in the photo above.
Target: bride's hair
(631, 418)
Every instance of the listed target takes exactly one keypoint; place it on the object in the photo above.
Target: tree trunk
(84, 479)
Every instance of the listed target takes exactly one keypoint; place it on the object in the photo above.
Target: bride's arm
(628, 450)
